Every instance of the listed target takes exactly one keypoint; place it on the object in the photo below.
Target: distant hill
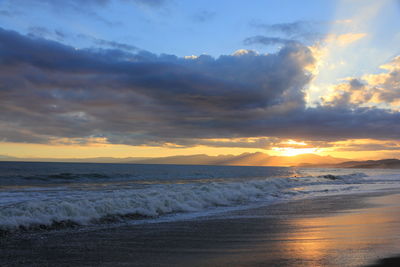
(245, 159)
(367, 164)
(89, 160)
(372, 164)
(305, 159)
(199, 159)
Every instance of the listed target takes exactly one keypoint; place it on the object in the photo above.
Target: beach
(346, 230)
(199, 133)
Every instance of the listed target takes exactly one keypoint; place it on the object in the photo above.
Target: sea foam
(83, 207)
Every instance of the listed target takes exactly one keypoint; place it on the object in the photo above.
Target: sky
(152, 78)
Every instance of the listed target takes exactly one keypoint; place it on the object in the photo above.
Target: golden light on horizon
(293, 142)
(293, 148)
(357, 149)
(291, 151)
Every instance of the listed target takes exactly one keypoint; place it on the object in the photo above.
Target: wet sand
(352, 230)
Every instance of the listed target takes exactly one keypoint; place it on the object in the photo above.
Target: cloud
(43, 32)
(307, 32)
(101, 3)
(300, 31)
(6, 13)
(265, 40)
(87, 8)
(348, 94)
(39, 31)
(370, 147)
(52, 91)
(46, 33)
(386, 86)
(114, 44)
(109, 44)
(344, 39)
(289, 29)
(204, 16)
(287, 33)
(370, 89)
(150, 3)
(366, 145)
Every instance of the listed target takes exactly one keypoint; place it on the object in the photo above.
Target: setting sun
(306, 83)
(290, 151)
(207, 133)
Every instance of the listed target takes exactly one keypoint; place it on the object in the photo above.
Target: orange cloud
(371, 89)
(344, 39)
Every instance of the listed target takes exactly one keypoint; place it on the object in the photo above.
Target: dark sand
(352, 230)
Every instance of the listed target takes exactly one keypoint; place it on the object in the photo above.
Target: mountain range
(366, 164)
(245, 159)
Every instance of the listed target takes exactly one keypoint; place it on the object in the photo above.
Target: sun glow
(293, 142)
(290, 151)
(293, 148)
(349, 44)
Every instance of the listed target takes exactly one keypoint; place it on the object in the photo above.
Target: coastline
(346, 230)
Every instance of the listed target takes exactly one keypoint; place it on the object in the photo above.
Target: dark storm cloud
(50, 90)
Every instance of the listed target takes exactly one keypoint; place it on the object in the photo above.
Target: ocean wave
(344, 176)
(65, 176)
(91, 207)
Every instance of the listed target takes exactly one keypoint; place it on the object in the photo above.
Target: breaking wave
(343, 177)
(84, 207)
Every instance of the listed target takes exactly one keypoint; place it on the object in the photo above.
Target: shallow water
(349, 230)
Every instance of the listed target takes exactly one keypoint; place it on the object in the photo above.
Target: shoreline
(344, 230)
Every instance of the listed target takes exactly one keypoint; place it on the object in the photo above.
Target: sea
(40, 196)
